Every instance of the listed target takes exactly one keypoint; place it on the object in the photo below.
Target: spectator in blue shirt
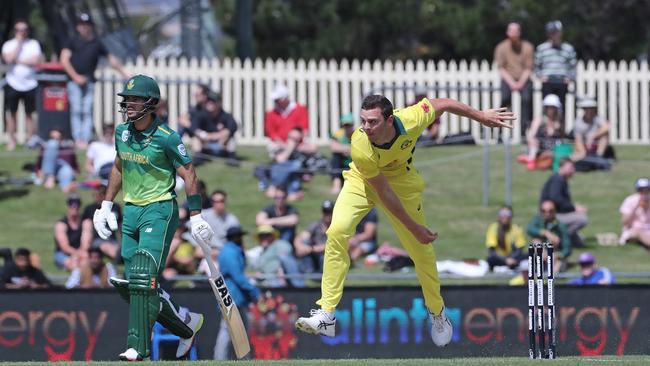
(590, 274)
(232, 263)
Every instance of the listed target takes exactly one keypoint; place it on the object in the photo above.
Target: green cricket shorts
(150, 227)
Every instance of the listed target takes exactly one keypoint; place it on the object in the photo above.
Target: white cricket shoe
(130, 355)
(185, 344)
(320, 322)
(441, 329)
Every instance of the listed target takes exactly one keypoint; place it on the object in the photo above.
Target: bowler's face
(373, 123)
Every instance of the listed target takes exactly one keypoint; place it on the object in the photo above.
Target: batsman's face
(375, 125)
(134, 106)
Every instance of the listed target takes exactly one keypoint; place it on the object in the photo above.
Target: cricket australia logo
(406, 144)
(130, 84)
(125, 135)
(181, 149)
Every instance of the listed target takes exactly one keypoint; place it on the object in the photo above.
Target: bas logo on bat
(223, 291)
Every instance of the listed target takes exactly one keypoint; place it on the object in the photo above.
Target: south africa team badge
(125, 135)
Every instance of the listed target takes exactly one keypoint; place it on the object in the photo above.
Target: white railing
(331, 88)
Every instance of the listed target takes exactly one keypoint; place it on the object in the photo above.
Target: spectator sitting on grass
(92, 274)
(545, 227)
(215, 132)
(286, 168)
(591, 132)
(219, 219)
(69, 253)
(21, 274)
(57, 162)
(89, 236)
(544, 133)
(282, 216)
(309, 245)
(590, 274)
(505, 241)
(635, 215)
(189, 122)
(556, 189)
(274, 251)
(285, 116)
(101, 154)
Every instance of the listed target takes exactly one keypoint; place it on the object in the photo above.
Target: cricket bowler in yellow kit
(382, 173)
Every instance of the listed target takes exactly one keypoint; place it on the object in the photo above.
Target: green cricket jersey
(149, 161)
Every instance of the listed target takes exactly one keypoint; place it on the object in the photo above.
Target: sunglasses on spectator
(218, 201)
(548, 211)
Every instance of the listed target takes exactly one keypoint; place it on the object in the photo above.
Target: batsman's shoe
(320, 322)
(185, 344)
(130, 355)
(441, 329)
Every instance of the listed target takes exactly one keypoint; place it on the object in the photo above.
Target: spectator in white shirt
(219, 219)
(21, 54)
(93, 274)
(101, 154)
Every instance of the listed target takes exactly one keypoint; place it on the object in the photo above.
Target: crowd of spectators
(283, 245)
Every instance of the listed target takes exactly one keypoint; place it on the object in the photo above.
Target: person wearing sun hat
(340, 148)
(591, 131)
(544, 133)
(274, 250)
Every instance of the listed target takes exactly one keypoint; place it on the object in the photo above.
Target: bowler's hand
(497, 117)
(201, 231)
(104, 216)
(424, 235)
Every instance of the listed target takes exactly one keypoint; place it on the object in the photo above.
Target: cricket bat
(229, 311)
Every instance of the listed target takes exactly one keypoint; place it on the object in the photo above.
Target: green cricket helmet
(140, 86)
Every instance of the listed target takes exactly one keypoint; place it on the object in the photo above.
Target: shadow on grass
(13, 193)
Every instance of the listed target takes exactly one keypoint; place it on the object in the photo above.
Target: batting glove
(104, 216)
(201, 231)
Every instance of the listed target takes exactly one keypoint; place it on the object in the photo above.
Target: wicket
(537, 319)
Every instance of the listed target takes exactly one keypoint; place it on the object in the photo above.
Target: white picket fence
(331, 88)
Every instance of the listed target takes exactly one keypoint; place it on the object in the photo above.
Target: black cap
(234, 232)
(327, 205)
(214, 96)
(74, 199)
(84, 18)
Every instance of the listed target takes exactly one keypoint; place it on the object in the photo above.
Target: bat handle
(208, 258)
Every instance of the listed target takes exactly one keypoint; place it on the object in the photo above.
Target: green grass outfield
(495, 361)
(452, 201)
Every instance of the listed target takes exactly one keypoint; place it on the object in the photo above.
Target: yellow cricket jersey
(395, 157)
(514, 238)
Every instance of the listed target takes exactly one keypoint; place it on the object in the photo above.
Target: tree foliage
(440, 29)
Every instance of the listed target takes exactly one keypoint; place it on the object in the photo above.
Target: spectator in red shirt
(285, 116)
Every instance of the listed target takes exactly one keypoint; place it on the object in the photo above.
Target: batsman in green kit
(149, 155)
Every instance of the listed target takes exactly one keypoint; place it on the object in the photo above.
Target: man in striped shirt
(555, 62)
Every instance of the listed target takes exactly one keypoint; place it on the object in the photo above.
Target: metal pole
(508, 170)
(486, 168)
